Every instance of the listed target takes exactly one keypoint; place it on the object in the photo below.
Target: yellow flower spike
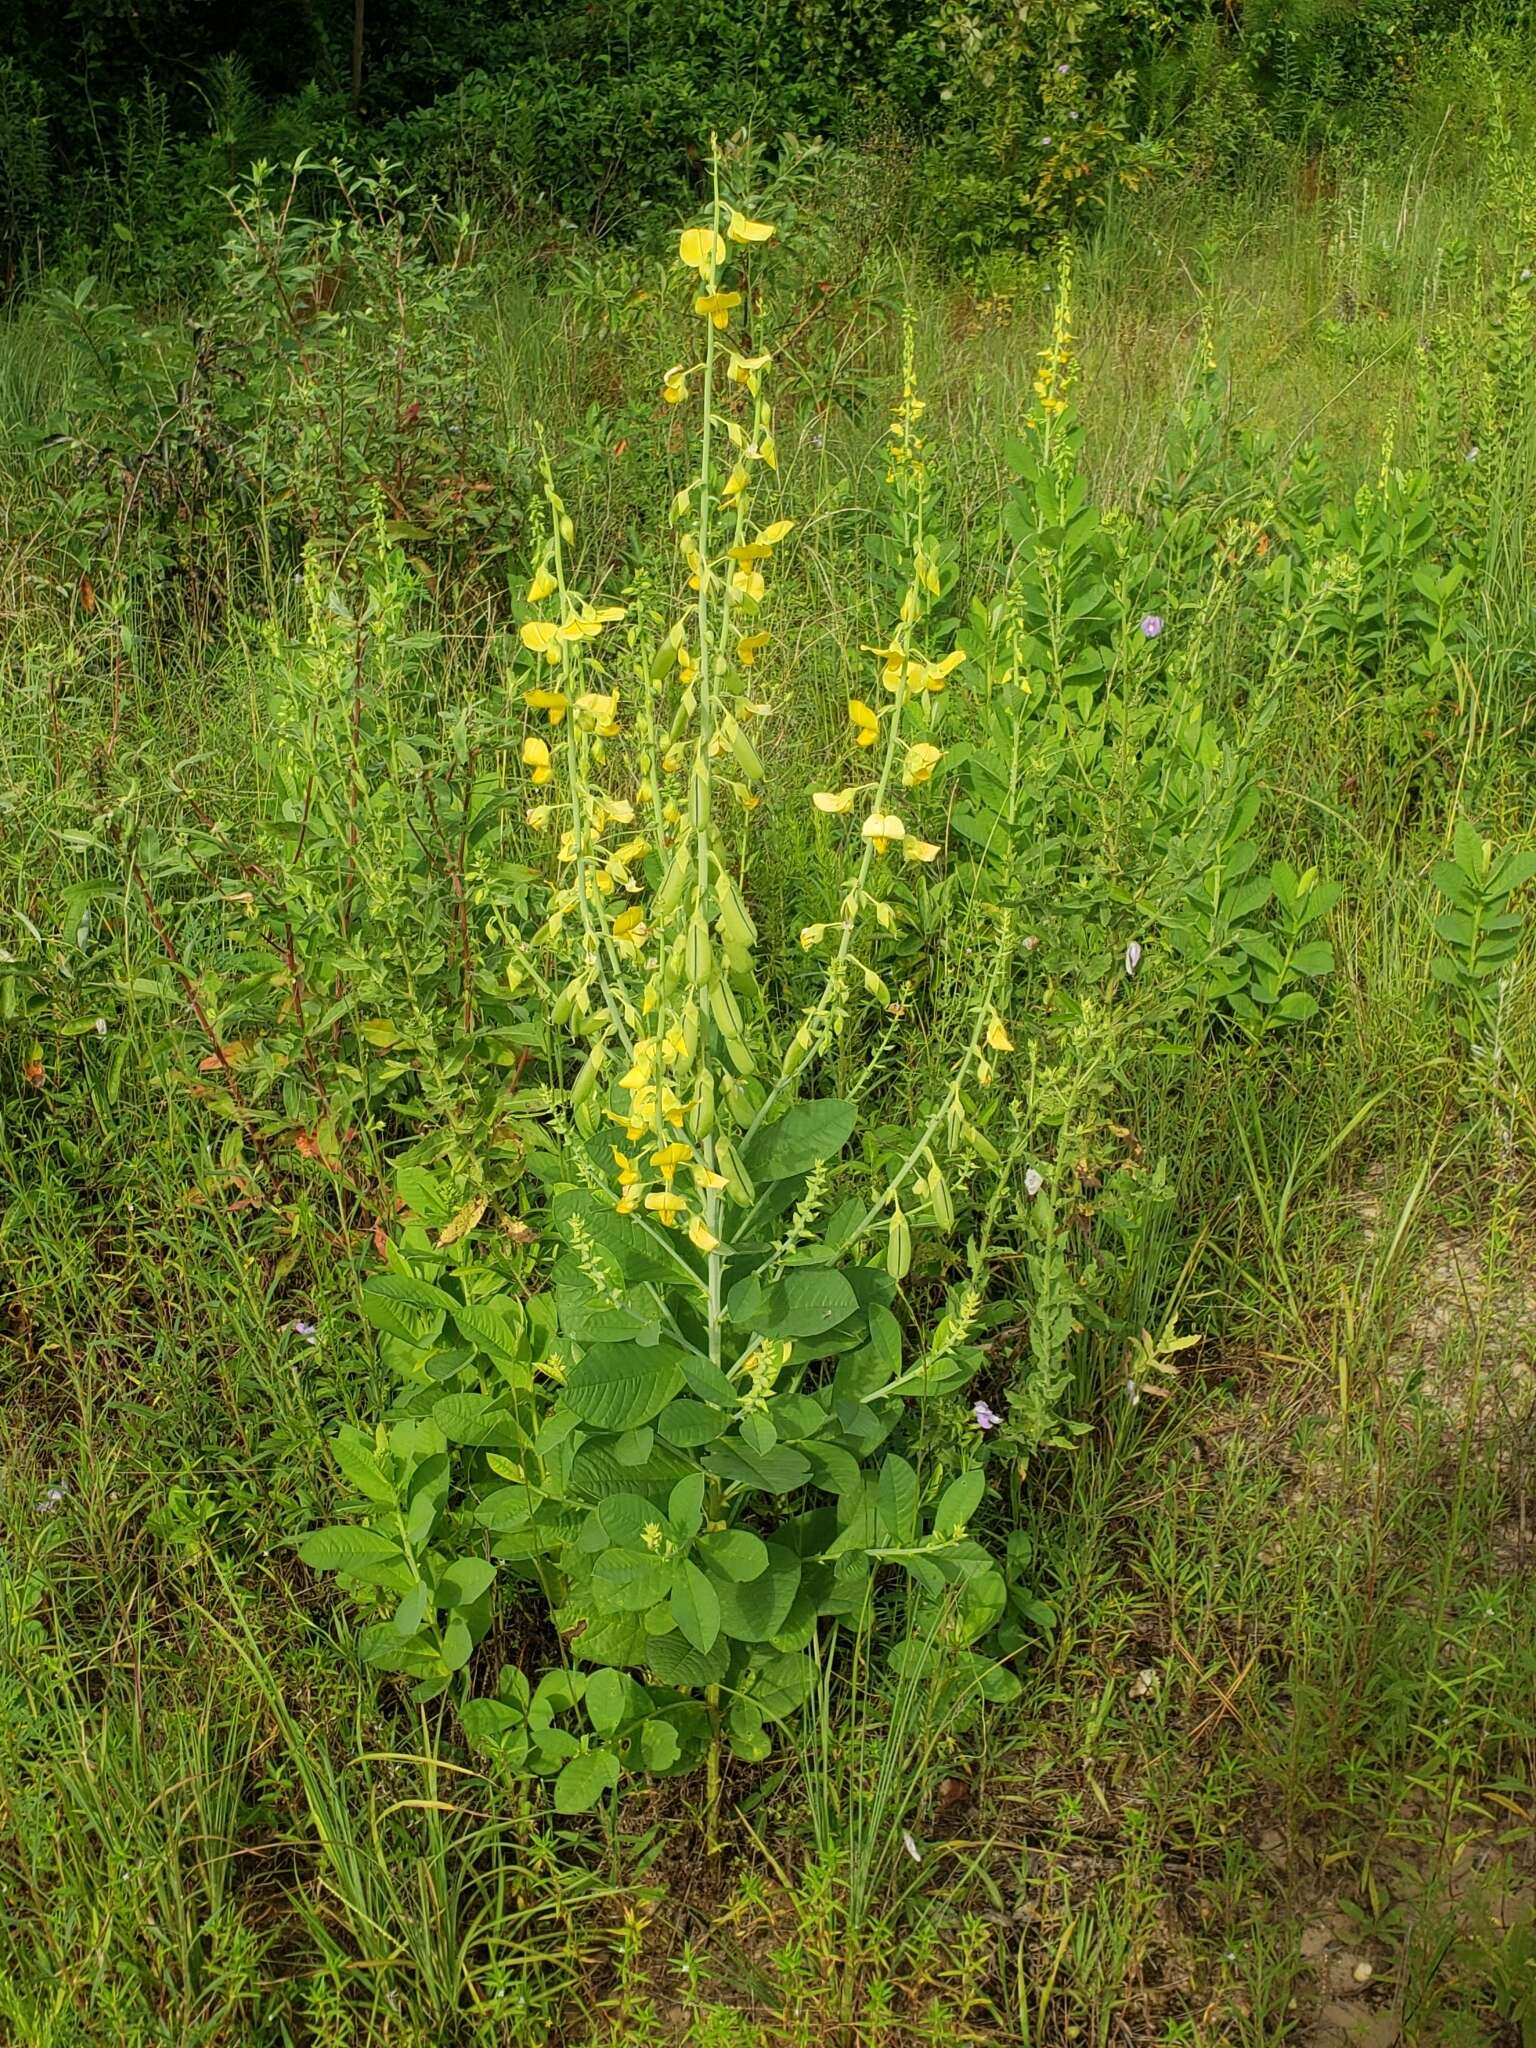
(674, 386)
(538, 635)
(749, 647)
(701, 1236)
(835, 802)
(669, 1159)
(700, 249)
(717, 306)
(667, 1208)
(597, 709)
(542, 586)
(555, 702)
(743, 230)
(997, 1036)
(866, 723)
(883, 831)
(920, 763)
(536, 757)
(918, 849)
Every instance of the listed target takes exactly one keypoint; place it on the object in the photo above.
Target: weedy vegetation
(766, 1055)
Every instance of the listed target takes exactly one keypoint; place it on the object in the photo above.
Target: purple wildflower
(1132, 957)
(1151, 626)
(985, 1419)
(304, 1330)
(1062, 70)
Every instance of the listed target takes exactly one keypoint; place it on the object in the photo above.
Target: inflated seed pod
(745, 755)
(725, 1009)
(700, 957)
(898, 1245)
(734, 921)
(940, 1199)
(738, 1184)
(586, 1079)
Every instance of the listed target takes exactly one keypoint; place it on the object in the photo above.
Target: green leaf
(806, 1134)
(749, 1739)
(631, 1580)
(607, 1696)
(404, 1307)
(617, 1386)
(493, 1332)
(685, 1504)
(897, 1499)
(959, 1501)
(695, 1608)
(584, 1780)
(783, 1684)
(659, 1744)
(739, 1555)
(780, 1470)
(463, 1582)
(691, 1423)
(806, 1301)
(345, 1549)
(676, 1661)
(360, 1468)
(753, 1612)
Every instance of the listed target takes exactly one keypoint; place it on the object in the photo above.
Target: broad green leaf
(749, 1739)
(753, 1612)
(360, 1468)
(809, 1132)
(607, 1696)
(345, 1549)
(584, 1780)
(897, 1500)
(495, 1332)
(691, 1423)
(659, 1745)
(695, 1607)
(781, 1470)
(617, 1386)
(959, 1501)
(676, 1661)
(806, 1301)
(685, 1504)
(405, 1307)
(631, 1580)
(736, 1554)
(462, 1582)
(782, 1684)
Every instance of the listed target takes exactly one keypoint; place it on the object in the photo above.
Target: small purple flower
(1033, 1182)
(1151, 626)
(1045, 142)
(1132, 957)
(304, 1330)
(985, 1419)
(1062, 70)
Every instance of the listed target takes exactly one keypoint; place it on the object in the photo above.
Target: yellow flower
(812, 935)
(629, 1173)
(743, 230)
(744, 368)
(670, 1158)
(596, 711)
(717, 306)
(936, 673)
(883, 832)
(866, 723)
(918, 849)
(748, 583)
(997, 1036)
(735, 483)
(921, 761)
(542, 586)
(777, 530)
(748, 647)
(710, 1183)
(536, 757)
(555, 702)
(539, 636)
(701, 1236)
(835, 802)
(668, 1207)
(539, 817)
(674, 387)
(700, 249)
(629, 927)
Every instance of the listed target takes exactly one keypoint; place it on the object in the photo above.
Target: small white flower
(100, 1027)
(1132, 1392)
(1034, 1181)
(910, 1845)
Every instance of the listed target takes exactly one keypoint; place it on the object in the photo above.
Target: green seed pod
(898, 1245)
(586, 1080)
(745, 755)
(673, 883)
(699, 955)
(796, 1053)
(734, 922)
(737, 1183)
(704, 1115)
(740, 1054)
(940, 1199)
(725, 1009)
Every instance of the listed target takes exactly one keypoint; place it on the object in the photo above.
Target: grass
(1271, 1777)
